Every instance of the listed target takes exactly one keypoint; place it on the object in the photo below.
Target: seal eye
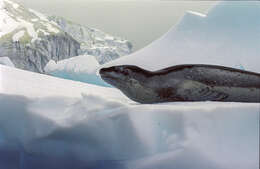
(116, 69)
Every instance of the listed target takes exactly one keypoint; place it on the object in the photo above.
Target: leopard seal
(189, 82)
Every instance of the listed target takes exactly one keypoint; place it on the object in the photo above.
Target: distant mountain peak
(103, 46)
(24, 24)
(30, 39)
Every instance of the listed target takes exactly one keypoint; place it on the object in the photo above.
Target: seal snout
(108, 73)
(104, 72)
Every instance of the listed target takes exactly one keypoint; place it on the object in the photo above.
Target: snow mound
(227, 35)
(6, 61)
(80, 68)
(65, 124)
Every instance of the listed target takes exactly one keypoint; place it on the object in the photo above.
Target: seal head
(131, 80)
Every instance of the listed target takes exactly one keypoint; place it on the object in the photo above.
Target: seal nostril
(104, 70)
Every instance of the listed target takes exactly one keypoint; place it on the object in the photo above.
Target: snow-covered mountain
(30, 39)
(227, 35)
(95, 42)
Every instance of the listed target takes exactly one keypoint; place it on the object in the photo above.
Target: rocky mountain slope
(93, 41)
(30, 39)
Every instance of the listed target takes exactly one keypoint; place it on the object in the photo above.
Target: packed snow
(228, 36)
(49, 122)
(80, 68)
(6, 61)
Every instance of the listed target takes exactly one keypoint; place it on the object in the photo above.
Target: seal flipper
(213, 95)
(196, 91)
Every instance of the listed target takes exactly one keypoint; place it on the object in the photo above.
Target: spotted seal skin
(185, 83)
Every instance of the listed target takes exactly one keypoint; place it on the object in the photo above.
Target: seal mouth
(108, 78)
(105, 74)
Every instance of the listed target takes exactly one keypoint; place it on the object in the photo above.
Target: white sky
(139, 21)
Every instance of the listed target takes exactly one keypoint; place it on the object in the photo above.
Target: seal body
(185, 83)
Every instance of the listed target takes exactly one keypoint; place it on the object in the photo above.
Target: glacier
(48, 122)
(79, 68)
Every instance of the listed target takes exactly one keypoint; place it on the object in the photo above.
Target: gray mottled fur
(185, 83)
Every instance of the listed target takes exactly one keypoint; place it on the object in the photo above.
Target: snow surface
(6, 61)
(78, 125)
(80, 68)
(228, 35)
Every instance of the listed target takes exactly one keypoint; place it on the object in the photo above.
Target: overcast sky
(139, 21)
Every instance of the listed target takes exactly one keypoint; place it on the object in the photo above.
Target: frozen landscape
(52, 123)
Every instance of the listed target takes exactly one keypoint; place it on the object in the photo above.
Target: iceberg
(79, 68)
(227, 35)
